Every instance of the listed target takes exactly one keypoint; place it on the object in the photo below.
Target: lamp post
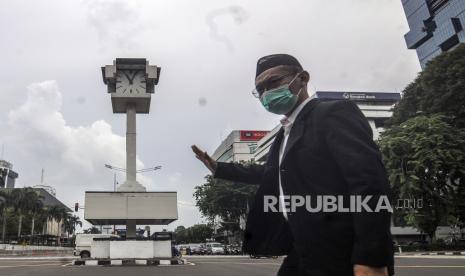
(108, 166)
(137, 171)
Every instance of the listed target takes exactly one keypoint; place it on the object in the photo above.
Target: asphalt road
(212, 266)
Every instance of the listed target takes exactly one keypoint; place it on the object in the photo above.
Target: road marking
(33, 261)
(238, 263)
(215, 256)
(430, 266)
(431, 257)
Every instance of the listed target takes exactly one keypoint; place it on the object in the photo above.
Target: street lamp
(108, 166)
(111, 167)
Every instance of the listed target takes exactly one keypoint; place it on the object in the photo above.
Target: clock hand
(129, 79)
(134, 75)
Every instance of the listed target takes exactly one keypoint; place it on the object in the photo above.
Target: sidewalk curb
(440, 253)
(38, 258)
(130, 262)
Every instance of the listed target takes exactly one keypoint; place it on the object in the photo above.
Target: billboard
(252, 135)
(358, 96)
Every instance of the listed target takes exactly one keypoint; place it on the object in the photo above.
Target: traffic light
(76, 207)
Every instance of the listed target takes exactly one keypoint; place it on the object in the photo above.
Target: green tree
(197, 233)
(425, 158)
(200, 232)
(58, 214)
(92, 230)
(224, 199)
(181, 234)
(6, 202)
(24, 199)
(36, 206)
(70, 222)
(440, 88)
(19, 205)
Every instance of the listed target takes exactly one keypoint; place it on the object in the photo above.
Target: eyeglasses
(262, 88)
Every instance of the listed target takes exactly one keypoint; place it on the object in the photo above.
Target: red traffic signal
(76, 207)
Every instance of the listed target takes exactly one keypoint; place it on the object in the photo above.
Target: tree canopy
(22, 211)
(440, 88)
(195, 234)
(424, 145)
(227, 200)
(425, 160)
(224, 199)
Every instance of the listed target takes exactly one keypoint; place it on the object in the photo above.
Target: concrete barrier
(33, 250)
(131, 262)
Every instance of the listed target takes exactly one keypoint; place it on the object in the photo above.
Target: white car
(84, 242)
(215, 248)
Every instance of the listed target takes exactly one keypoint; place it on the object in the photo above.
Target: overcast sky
(55, 113)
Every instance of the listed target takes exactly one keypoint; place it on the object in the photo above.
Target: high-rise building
(239, 146)
(436, 26)
(7, 175)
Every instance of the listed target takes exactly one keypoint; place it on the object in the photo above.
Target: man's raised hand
(205, 158)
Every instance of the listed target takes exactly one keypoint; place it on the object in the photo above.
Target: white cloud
(73, 156)
(237, 13)
(116, 22)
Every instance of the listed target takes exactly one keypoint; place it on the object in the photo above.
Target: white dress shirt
(287, 123)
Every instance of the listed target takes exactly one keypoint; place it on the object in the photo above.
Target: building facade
(240, 145)
(436, 26)
(7, 175)
(47, 194)
(376, 106)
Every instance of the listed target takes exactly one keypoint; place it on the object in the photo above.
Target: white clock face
(130, 82)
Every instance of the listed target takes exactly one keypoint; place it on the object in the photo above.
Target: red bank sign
(252, 135)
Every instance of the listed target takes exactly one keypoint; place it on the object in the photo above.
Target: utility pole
(114, 182)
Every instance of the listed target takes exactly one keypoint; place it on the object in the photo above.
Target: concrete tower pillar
(131, 143)
(131, 228)
(131, 184)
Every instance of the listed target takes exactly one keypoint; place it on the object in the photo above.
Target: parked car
(418, 243)
(215, 248)
(197, 249)
(84, 242)
(263, 256)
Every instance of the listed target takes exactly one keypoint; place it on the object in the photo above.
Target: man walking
(324, 149)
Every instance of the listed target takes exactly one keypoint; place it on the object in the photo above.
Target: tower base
(141, 208)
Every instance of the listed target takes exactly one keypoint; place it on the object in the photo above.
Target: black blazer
(330, 151)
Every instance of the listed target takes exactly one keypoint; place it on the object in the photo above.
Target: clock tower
(131, 81)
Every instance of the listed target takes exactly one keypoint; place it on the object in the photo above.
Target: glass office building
(436, 26)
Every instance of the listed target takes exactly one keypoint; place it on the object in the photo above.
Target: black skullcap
(271, 61)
